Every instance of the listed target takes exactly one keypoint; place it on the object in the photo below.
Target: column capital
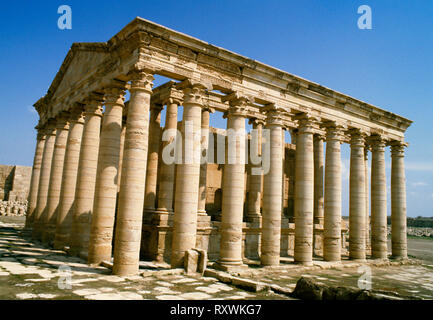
(397, 148)
(357, 137)
(193, 91)
(77, 113)
(377, 142)
(62, 120)
(334, 131)
(307, 123)
(238, 104)
(114, 93)
(50, 127)
(141, 80)
(256, 122)
(274, 115)
(93, 104)
(156, 107)
(319, 136)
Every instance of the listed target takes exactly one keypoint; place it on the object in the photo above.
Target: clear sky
(390, 66)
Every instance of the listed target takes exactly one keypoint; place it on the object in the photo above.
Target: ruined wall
(14, 182)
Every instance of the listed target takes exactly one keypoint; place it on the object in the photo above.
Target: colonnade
(77, 198)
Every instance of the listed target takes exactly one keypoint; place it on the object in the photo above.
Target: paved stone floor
(31, 271)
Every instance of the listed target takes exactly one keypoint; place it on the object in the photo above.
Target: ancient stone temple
(109, 182)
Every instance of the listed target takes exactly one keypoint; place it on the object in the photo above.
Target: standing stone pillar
(44, 180)
(50, 216)
(304, 191)
(104, 207)
(357, 208)
(205, 115)
(378, 200)
(166, 184)
(152, 158)
(122, 144)
(131, 197)
(86, 177)
(69, 179)
(34, 182)
(272, 191)
(233, 183)
(256, 179)
(187, 174)
(398, 201)
(332, 210)
(367, 204)
(318, 179)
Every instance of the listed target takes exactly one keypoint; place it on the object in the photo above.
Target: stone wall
(14, 182)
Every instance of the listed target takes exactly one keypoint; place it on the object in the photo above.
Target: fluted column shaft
(332, 209)
(101, 232)
(152, 157)
(69, 180)
(304, 193)
(256, 179)
(44, 181)
(318, 179)
(357, 210)
(34, 182)
(131, 196)
(398, 202)
(166, 184)
(378, 201)
(205, 115)
(187, 175)
(272, 193)
(86, 177)
(233, 185)
(367, 202)
(50, 216)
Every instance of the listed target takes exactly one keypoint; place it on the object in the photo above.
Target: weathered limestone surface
(86, 176)
(69, 180)
(44, 181)
(332, 223)
(131, 197)
(104, 207)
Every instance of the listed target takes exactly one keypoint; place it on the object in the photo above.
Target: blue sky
(390, 66)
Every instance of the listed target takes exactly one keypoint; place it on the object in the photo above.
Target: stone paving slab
(31, 271)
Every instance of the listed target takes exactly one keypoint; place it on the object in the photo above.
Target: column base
(229, 267)
(306, 263)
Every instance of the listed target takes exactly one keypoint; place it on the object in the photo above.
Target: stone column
(44, 180)
(187, 174)
(166, 184)
(318, 179)
(86, 177)
(205, 115)
(256, 180)
(152, 158)
(332, 210)
(398, 201)
(357, 196)
(122, 144)
(367, 204)
(272, 191)
(131, 197)
(233, 183)
(104, 207)
(378, 200)
(34, 182)
(58, 161)
(304, 191)
(69, 179)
